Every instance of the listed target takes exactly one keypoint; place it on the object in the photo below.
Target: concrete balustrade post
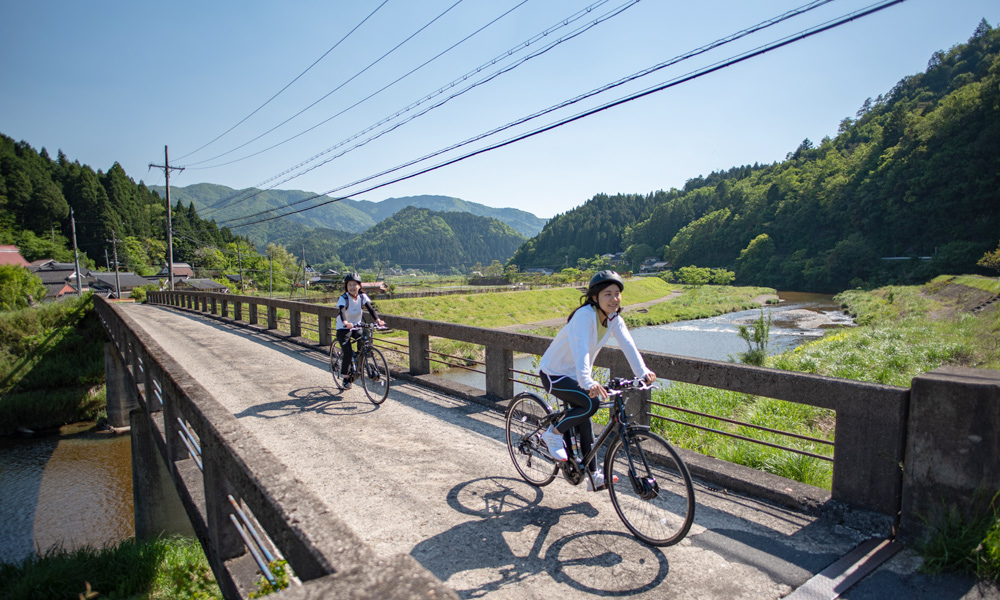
(272, 316)
(225, 307)
(238, 310)
(325, 337)
(252, 308)
(295, 323)
(952, 464)
(420, 344)
(226, 541)
(499, 363)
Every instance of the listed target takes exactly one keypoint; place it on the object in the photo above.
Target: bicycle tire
(661, 516)
(375, 376)
(524, 440)
(336, 356)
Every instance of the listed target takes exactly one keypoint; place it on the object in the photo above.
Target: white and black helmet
(352, 277)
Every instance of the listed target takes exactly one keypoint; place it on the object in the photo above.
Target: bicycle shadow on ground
(319, 400)
(513, 541)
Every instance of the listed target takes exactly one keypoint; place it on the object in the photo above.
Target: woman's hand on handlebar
(650, 378)
(598, 390)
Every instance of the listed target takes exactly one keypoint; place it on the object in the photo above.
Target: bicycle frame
(617, 425)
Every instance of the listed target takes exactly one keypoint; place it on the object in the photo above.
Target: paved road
(428, 475)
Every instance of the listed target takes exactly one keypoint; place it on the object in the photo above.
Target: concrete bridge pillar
(121, 396)
(158, 508)
(952, 460)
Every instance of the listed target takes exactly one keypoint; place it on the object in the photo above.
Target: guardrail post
(225, 307)
(294, 323)
(499, 362)
(272, 316)
(952, 465)
(420, 363)
(325, 339)
(238, 310)
(252, 317)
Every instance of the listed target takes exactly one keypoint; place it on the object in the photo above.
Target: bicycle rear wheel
(336, 358)
(375, 376)
(657, 504)
(524, 439)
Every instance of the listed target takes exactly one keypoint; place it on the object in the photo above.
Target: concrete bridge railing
(182, 435)
(876, 466)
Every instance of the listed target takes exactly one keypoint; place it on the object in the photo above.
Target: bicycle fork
(645, 487)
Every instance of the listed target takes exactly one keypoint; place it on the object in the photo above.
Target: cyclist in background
(566, 368)
(349, 315)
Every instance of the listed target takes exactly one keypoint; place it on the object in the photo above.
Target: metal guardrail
(870, 418)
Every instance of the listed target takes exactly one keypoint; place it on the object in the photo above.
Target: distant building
(59, 278)
(10, 255)
(654, 267)
(540, 270)
(201, 285)
(104, 282)
(374, 287)
(181, 271)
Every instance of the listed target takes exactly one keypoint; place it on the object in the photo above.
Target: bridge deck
(428, 475)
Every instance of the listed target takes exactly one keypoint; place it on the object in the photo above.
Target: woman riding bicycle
(349, 315)
(567, 365)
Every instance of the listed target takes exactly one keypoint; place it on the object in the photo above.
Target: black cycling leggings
(584, 407)
(343, 338)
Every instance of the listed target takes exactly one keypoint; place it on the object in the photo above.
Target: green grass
(962, 545)
(51, 365)
(166, 569)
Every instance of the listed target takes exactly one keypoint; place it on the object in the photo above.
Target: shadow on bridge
(510, 513)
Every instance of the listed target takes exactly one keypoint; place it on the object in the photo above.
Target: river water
(75, 488)
(797, 319)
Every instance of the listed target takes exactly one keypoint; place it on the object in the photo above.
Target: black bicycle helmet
(352, 277)
(602, 279)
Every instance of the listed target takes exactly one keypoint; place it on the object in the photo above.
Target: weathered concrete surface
(429, 475)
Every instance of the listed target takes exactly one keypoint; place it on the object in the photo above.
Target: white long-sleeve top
(575, 347)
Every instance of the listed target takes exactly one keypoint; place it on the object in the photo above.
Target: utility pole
(170, 224)
(305, 275)
(239, 259)
(114, 247)
(76, 255)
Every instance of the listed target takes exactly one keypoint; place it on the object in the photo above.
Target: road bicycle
(649, 484)
(369, 365)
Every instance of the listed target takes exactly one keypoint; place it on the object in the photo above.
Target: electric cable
(643, 73)
(629, 98)
(297, 77)
(521, 46)
(328, 94)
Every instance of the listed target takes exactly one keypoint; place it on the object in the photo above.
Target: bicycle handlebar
(619, 385)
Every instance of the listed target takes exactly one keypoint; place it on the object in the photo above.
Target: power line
(328, 94)
(561, 105)
(507, 54)
(297, 77)
(635, 96)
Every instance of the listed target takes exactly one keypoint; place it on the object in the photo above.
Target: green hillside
(906, 191)
(434, 241)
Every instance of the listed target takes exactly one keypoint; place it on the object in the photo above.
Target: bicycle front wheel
(524, 439)
(653, 494)
(375, 376)
(336, 358)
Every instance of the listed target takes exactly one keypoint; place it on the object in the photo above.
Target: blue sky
(118, 81)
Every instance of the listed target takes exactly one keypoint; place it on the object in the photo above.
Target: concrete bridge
(239, 435)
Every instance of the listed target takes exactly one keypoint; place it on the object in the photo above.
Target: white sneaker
(595, 482)
(555, 443)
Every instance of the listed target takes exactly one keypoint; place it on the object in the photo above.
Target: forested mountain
(36, 194)
(520, 221)
(354, 216)
(915, 174)
(434, 241)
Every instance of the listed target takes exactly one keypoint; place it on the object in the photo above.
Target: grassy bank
(51, 365)
(166, 569)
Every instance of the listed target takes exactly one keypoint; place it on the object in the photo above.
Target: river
(75, 488)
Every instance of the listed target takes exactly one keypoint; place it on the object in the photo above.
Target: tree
(19, 288)
(991, 260)
(693, 275)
